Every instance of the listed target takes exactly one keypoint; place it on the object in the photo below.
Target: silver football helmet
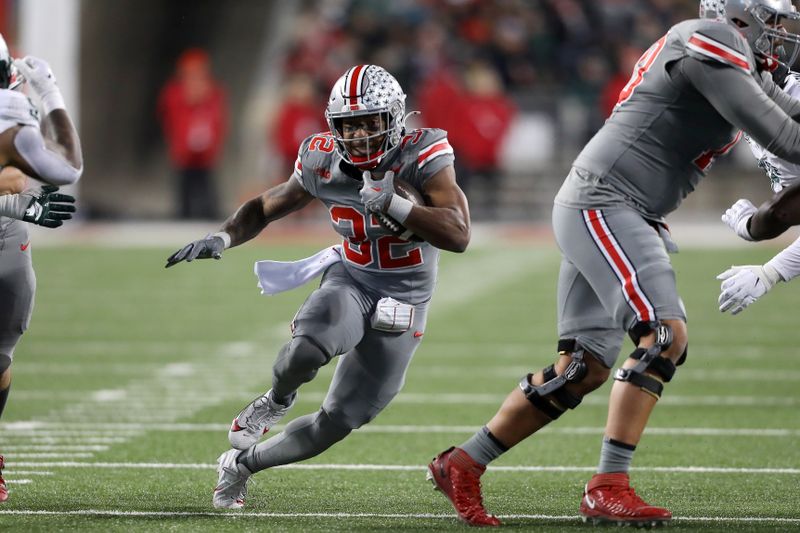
(367, 90)
(762, 23)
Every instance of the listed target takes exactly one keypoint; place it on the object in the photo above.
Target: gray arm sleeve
(788, 103)
(742, 102)
(11, 205)
(49, 166)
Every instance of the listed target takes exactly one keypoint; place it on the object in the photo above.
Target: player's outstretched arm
(771, 219)
(742, 101)
(743, 285)
(247, 222)
(776, 215)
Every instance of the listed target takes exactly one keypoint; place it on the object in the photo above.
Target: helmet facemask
(363, 139)
(777, 34)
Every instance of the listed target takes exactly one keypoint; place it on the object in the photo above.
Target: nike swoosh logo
(25, 246)
(376, 189)
(589, 501)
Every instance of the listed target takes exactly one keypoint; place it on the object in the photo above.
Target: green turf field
(130, 374)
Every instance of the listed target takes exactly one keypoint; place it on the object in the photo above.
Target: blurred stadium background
(125, 382)
(520, 85)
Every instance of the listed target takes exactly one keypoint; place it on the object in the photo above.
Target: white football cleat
(231, 488)
(255, 420)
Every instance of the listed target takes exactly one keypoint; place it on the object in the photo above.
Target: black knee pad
(684, 355)
(650, 359)
(551, 397)
(5, 362)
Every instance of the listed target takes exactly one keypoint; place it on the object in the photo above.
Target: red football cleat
(610, 498)
(458, 476)
(3, 488)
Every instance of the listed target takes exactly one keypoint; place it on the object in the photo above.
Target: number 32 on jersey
(360, 250)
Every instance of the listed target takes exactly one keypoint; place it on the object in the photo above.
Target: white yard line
(53, 456)
(245, 514)
(22, 448)
(405, 468)
(13, 435)
(175, 391)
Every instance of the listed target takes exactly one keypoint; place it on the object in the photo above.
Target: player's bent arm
(741, 101)
(445, 222)
(255, 214)
(776, 215)
(62, 138)
(25, 148)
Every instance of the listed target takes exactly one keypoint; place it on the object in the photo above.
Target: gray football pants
(615, 272)
(370, 372)
(17, 284)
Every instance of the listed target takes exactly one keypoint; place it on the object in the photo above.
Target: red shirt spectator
(193, 113)
(483, 115)
(299, 116)
(194, 116)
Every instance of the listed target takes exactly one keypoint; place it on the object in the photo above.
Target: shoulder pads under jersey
(717, 42)
(428, 143)
(316, 150)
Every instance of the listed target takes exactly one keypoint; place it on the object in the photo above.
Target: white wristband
(226, 238)
(11, 206)
(51, 101)
(399, 208)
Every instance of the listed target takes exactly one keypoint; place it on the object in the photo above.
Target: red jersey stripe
(717, 51)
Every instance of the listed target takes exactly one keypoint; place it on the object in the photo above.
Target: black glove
(211, 246)
(45, 210)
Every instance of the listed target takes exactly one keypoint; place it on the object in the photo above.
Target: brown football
(405, 190)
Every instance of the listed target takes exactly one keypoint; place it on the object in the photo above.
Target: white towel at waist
(279, 276)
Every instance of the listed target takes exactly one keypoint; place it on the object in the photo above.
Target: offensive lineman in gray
(50, 153)
(689, 97)
(351, 170)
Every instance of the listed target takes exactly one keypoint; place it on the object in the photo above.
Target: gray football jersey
(373, 256)
(690, 95)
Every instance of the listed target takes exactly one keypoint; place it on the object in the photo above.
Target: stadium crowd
(470, 66)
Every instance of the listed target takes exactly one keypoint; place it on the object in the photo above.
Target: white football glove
(743, 285)
(39, 77)
(377, 194)
(737, 216)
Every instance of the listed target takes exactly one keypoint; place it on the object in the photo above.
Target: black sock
(3, 398)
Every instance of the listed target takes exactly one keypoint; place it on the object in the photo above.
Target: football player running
(49, 152)
(742, 285)
(690, 95)
(371, 306)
